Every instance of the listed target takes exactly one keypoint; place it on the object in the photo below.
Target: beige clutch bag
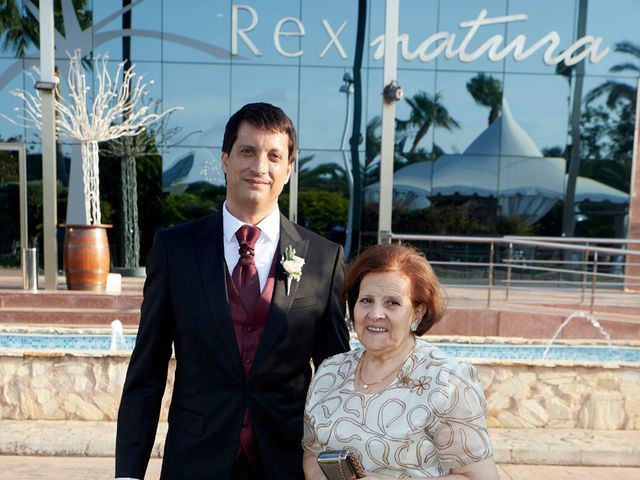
(340, 465)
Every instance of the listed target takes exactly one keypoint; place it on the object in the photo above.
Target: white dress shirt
(265, 248)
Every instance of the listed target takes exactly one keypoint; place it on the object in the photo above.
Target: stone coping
(610, 365)
(93, 330)
(515, 446)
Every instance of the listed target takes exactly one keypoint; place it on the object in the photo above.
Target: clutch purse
(340, 465)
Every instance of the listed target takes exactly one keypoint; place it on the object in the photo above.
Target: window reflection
(145, 25)
(323, 192)
(202, 91)
(324, 109)
(277, 85)
(199, 33)
(539, 23)
(331, 28)
(452, 169)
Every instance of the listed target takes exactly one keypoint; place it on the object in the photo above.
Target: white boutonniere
(292, 265)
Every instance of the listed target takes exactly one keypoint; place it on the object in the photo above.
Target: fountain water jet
(566, 322)
(117, 336)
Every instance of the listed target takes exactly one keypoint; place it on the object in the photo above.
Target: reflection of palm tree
(329, 177)
(486, 91)
(21, 32)
(372, 150)
(614, 90)
(373, 144)
(75, 29)
(427, 111)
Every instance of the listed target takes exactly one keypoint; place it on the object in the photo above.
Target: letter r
(235, 31)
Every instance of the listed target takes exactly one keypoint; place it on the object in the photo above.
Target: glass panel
(203, 93)
(472, 117)
(615, 22)
(540, 21)
(10, 105)
(145, 25)
(200, 33)
(266, 17)
(331, 28)
(452, 13)
(419, 89)
(608, 137)
(540, 106)
(323, 193)
(418, 21)
(278, 85)
(324, 109)
(185, 165)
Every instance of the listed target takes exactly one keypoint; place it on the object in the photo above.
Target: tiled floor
(82, 468)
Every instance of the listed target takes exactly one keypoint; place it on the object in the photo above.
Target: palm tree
(487, 91)
(426, 111)
(615, 90)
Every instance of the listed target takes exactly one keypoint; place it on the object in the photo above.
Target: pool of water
(596, 353)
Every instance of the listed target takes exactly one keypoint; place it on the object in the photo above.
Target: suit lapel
(210, 254)
(281, 303)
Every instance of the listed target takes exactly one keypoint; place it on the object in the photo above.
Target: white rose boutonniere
(292, 265)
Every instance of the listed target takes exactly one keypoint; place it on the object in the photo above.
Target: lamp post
(391, 94)
(347, 89)
(46, 85)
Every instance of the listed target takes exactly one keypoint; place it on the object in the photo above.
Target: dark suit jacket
(185, 303)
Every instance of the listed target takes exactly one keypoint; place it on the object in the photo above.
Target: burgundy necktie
(245, 273)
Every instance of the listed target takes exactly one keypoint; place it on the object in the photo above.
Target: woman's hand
(312, 470)
(482, 470)
(374, 476)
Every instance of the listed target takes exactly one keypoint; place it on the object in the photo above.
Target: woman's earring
(414, 326)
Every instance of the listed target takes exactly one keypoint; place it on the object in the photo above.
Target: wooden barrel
(86, 257)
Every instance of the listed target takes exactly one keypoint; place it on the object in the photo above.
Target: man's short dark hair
(262, 116)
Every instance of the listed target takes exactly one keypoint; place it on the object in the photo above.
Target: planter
(86, 257)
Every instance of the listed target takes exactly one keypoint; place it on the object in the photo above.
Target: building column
(633, 232)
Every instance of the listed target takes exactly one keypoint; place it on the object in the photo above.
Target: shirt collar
(269, 225)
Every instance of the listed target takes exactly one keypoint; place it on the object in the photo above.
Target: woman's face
(383, 312)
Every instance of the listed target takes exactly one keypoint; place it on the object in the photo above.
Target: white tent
(502, 162)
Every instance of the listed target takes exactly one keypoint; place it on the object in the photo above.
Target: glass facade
(458, 68)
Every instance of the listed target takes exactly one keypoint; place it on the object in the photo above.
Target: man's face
(257, 169)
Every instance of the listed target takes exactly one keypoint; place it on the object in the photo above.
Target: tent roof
(504, 137)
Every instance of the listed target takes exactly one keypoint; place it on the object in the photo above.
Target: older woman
(406, 408)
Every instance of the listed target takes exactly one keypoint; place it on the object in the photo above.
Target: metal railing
(574, 262)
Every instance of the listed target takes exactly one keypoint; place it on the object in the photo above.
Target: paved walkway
(619, 448)
(88, 468)
(76, 450)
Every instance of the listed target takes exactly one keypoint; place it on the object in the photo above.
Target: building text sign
(447, 43)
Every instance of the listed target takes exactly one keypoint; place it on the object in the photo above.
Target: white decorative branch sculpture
(114, 111)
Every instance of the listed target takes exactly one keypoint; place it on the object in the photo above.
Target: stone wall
(87, 386)
(550, 395)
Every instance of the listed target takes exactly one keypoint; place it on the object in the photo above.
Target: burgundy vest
(248, 327)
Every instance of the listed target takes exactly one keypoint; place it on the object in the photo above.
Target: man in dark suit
(248, 299)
